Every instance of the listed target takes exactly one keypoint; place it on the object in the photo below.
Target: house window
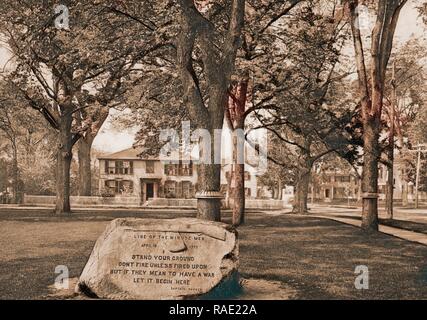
(187, 189)
(110, 167)
(171, 169)
(181, 169)
(170, 189)
(224, 188)
(118, 167)
(342, 178)
(380, 173)
(340, 192)
(110, 186)
(124, 167)
(247, 192)
(345, 178)
(247, 175)
(186, 169)
(123, 187)
(149, 166)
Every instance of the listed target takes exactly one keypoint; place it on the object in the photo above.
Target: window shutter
(106, 166)
(179, 189)
(131, 168)
(161, 190)
(192, 191)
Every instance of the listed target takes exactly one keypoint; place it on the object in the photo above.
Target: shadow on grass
(400, 224)
(318, 258)
(314, 257)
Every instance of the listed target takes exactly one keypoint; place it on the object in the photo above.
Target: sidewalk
(400, 213)
(348, 215)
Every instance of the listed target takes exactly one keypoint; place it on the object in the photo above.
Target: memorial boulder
(162, 259)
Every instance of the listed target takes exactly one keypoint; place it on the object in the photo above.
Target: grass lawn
(314, 258)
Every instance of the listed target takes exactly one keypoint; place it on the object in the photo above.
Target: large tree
(257, 40)
(10, 125)
(402, 101)
(301, 102)
(371, 79)
(260, 51)
(71, 76)
(214, 41)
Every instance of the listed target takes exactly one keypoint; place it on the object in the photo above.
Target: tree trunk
(301, 195)
(85, 172)
(359, 190)
(239, 195)
(236, 106)
(239, 174)
(63, 159)
(390, 177)
(209, 175)
(404, 193)
(371, 95)
(390, 189)
(370, 174)
(209, 181)
(218, 64)
(15, 173)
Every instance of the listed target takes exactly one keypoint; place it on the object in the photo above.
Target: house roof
(127, 154)
(133, 154)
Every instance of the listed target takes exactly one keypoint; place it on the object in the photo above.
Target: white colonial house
(125, 173)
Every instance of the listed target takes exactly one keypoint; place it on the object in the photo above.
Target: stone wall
(135, 202)
(84, 201)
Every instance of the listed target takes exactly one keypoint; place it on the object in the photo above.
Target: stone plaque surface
(160, 259)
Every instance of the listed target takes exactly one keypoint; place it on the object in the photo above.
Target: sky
(410, 23)
(111, 139)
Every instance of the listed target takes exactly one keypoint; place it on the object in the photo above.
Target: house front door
(150, 190)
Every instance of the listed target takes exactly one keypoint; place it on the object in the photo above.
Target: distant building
(227, 184)
(125, 173)
(335, 185)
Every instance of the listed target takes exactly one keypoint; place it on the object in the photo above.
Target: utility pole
(417, 179)
(421, 148)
